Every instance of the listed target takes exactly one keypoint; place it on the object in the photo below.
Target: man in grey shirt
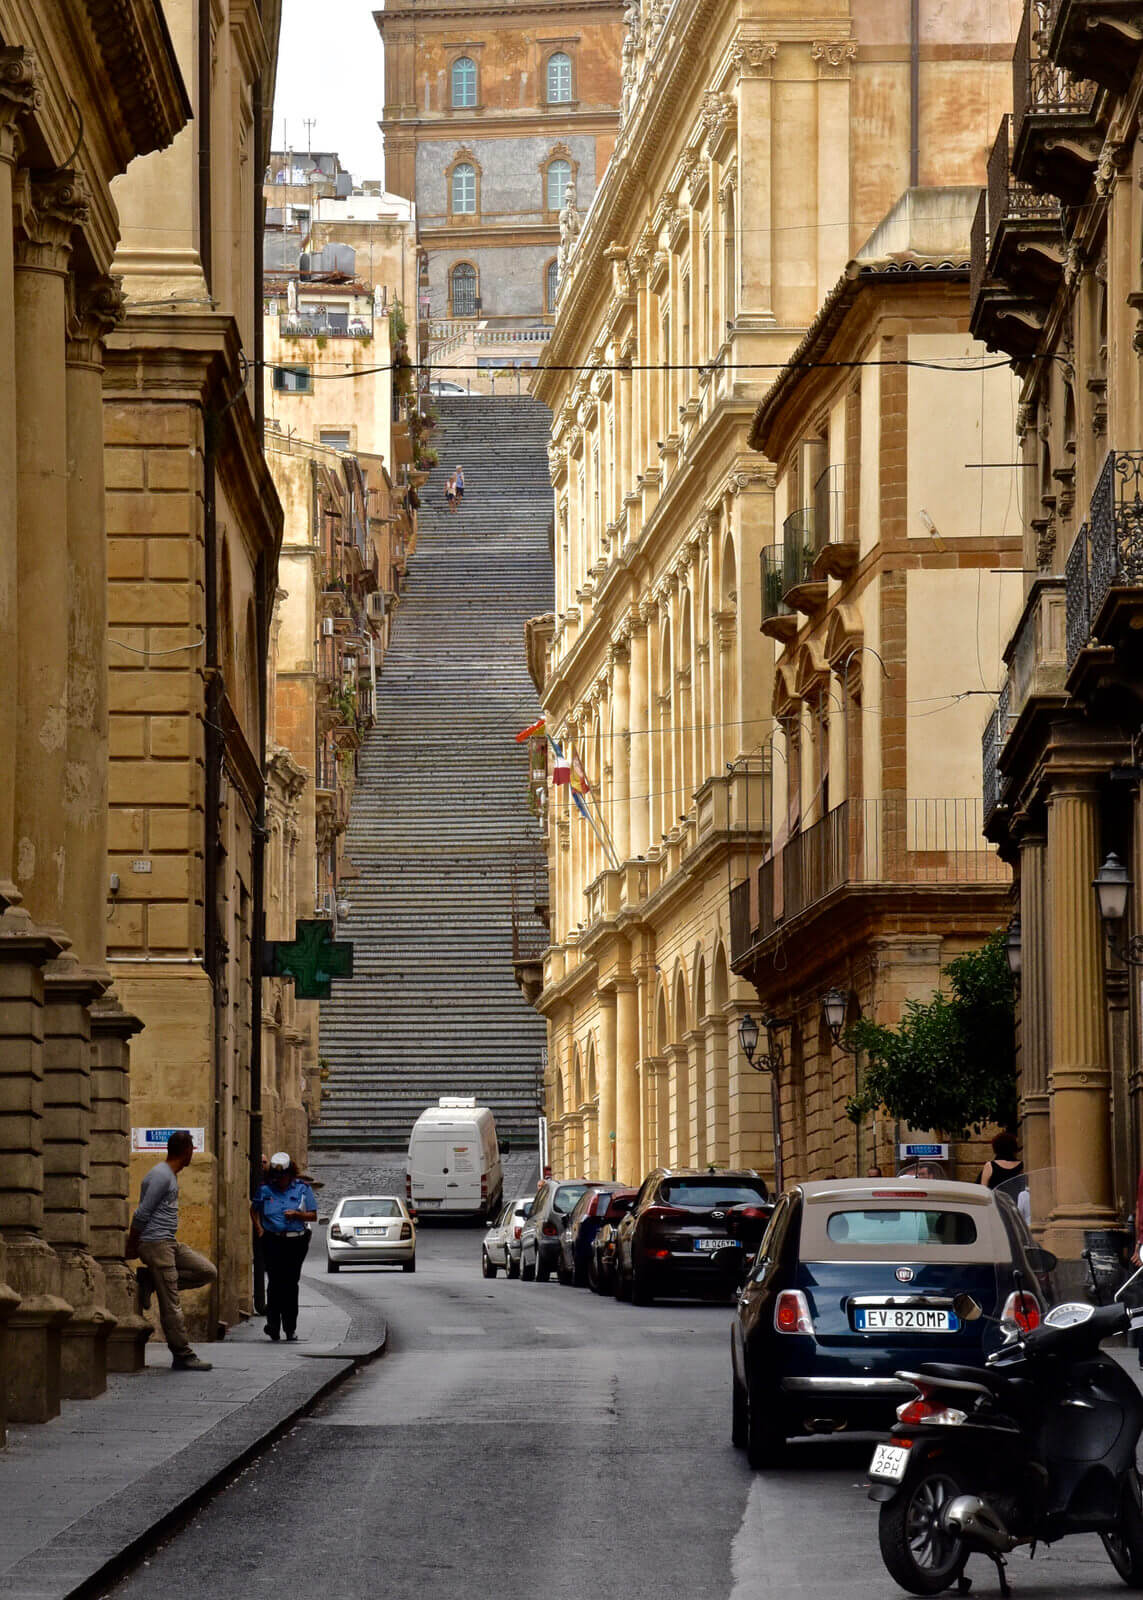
(168, 1266)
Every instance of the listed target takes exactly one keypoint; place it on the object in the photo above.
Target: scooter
(1037, 1445)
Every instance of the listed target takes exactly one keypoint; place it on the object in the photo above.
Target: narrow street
(521, 1440)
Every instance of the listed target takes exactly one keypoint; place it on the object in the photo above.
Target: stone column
(9, 1300)
(17, 97)
(655, 1113)
(606, 1133)
(109, 1191)
(696, 1095)
(589, 1135)
(1079, 1075)
(621, 750)
(717, 1091)
(679, 1119)
(639, 739)
(1034, 1004)
(628, 1163)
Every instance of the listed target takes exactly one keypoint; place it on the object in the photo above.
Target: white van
(453, 1165)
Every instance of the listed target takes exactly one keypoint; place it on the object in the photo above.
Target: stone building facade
(84, 93)
(1058, 286)
(755, 154)
(889, 603)
(492, 114)
(193, 530)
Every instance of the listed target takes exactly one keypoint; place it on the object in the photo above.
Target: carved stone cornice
(98, 305)
(19, 96)
(833, 56)
(47, 213)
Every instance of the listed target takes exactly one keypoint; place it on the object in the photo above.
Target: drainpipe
(203, 122)
(914, 92)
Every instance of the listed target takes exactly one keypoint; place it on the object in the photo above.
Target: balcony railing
(743, 917)
(774, 583)
(303, 326)
(991, 745)
(1009, 200)
(1116, 559)
(1040, 87)
(800, 546)
(1078, 597)
(528, 877)
(883, 843)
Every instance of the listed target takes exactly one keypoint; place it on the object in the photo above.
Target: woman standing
(281, 1209)
(1005, 1163)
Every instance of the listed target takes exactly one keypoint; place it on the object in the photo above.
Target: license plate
(716, 1244)
(372, 1233)
(889, 1461)
(903, 1319)
(421, 1204)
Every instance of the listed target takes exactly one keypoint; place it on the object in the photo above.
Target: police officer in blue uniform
(282, 1210)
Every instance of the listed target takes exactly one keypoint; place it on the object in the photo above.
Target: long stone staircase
(440, 809)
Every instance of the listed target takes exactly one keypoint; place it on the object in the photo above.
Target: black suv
(689, 1232)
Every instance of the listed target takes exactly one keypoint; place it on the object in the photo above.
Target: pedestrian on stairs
(458, 479)
(281, 1209)
(168, 1266)
(450, 493)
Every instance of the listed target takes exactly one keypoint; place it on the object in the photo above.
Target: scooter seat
(958, 1374)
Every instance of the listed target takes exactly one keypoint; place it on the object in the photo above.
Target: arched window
(464, 189)
(559, 176)
(559, 77)
(463, 284)
(553, 283)
(464, 81)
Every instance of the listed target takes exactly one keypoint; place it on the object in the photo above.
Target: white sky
(331, 68)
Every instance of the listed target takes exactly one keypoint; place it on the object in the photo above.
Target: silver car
(371, 1230)
(500, 1248)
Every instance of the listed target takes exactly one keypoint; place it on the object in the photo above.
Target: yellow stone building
(85, 91)
(758, 149)
(889, 605)
(193, 529)
(1058, 286)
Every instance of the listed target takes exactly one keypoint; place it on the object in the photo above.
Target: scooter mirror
(966, 1308)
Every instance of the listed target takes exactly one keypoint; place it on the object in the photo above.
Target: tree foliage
(950, 1064)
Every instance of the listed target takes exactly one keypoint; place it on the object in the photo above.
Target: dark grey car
(540, 1240)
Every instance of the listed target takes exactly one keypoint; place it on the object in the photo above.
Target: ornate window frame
(463, 261)
(558, 152)
(461, 53)
(551, 288)
(559, 47)
(463, 157)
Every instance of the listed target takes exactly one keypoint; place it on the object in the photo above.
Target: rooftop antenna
(308, 125)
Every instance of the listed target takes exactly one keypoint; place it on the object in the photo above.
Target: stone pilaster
(717, 1091)
(606, 1151)
(110, 1201)
(639, 742)
(695, 1042)
(32, 1267)
(9, 1301)
(628, 1167)
(1079, 1080)
(679, 1140)
(620, 750)
(1034, 1004)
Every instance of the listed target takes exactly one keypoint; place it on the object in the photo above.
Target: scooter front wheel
(1125, 1545)
(918, 1550)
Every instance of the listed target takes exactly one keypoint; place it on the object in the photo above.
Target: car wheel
(579, 1276)
(512, 1270)
(487, 1268)
(641, 1292)
(765, 1435)
(566, 1278)
(622, 1284)
(527, 1270)
(409, 1266)
(916, 1547)
(593, 1282)
(331, 1266)
(543, 1269)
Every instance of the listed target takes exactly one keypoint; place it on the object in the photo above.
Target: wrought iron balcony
(1116, 541)
(836, 520)
(1078, 597)
(801, 588)
(778, 619)
(1017, 257)
(1098, 39)
(1055, 130)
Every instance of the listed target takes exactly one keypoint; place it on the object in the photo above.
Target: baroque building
(889, 603)
(494, 116)
(85, 92)
(1058, 286)
(756, 153)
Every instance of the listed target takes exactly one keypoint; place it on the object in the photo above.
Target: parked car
(446, 386)
(604, 1247)
(588, 1215)
(686, 1233)
(501, 1245)
(371, 1230)
(855, 1281)
(540, 1236)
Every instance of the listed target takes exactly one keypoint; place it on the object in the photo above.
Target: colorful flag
(583, 811)
(561, 765)
(578, 777)
(530, 733)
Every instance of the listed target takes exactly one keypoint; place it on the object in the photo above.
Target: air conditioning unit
(377, 605)
(327, 627)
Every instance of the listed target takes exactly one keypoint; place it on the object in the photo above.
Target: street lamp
(1112, 885)
(835, 1004)
(748, 1037)
(1013, 950)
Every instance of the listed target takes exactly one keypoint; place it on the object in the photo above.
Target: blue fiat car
(855, 1281)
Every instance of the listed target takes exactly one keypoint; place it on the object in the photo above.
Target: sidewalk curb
(115, 1535)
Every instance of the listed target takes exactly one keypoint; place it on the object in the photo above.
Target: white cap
(280, 1158)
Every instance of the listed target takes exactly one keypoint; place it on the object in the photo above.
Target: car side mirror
(322, 1222)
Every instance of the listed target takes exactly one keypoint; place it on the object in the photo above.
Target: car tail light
(550, 1231)
(335, 1231)
(406, 1230)
(791, 1313)
(408, 1186)
(900, 1194)
(923, 1410)
(1023, 1309)
(752, 1213)
(659, 1255)
(517, 1231)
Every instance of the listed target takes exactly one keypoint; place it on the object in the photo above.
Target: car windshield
(901, 1227)
(566, 1196)
(705, 1192)
(370, 1208)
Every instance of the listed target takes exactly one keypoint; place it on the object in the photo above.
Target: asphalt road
(525, 1440)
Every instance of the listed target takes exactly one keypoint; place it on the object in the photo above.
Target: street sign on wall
(155, 1139)
(923, 1152)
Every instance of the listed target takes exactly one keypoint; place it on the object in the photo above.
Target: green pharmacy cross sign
(311, 959)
